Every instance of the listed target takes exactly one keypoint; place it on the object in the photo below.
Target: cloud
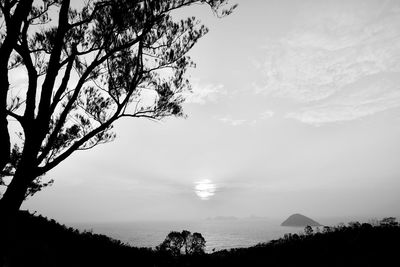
(237, 122)
(378, 96)
(321, 62)
(232, 122)
(202, 94)
(267, 114)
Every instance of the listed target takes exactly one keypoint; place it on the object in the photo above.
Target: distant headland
(222, 218)
(298, 220)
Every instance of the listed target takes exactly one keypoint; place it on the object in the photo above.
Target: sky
(295, 109)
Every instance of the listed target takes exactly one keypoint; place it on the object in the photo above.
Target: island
(222, 218)
(298, 220)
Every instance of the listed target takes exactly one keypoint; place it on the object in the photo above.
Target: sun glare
(205, 189)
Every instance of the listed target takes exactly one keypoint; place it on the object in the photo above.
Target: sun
(205, 189)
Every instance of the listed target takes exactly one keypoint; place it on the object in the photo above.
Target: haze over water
(218, 233)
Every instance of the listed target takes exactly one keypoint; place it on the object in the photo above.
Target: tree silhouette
(308, 230)
(183, 243)
(172, 244)
(389, 222)
(86, 67)
(197, 244)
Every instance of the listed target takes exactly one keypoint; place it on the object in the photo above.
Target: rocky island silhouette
(299, 220)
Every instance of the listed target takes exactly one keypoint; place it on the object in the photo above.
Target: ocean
(219, 234)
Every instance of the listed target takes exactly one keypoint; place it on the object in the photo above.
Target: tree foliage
(86, 67)
(186, 243)
(308, 230)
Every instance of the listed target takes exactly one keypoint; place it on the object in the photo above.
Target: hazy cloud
(234, 122)
(321, 62)
(267, 114)
(202, 94)
(377, 96)
(228, 119)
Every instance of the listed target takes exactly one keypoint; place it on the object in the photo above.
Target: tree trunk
(6, 48)
(14, 195)
(4, 142)
(5, 218)
(4, 135)
(10, 204)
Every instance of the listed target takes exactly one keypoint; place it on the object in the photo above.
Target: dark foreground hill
(38, 241)
(43, 242)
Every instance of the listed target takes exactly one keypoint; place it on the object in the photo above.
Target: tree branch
(23, 50)
(19, 118)
(53, 68)
(97, 7)
(74, 97)
(75, 146)
(63, 85)
(102, 127)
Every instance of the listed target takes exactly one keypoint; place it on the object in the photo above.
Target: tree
(91, 66)
(198, 244)
(308, 230)
(183, 243)
(354, 224)
(86, 67)
(172, 244)
(389, 222)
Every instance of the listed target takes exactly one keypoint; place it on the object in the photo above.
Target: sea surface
(219, 234)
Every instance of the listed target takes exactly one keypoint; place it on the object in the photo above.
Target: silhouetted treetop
(186, 243)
